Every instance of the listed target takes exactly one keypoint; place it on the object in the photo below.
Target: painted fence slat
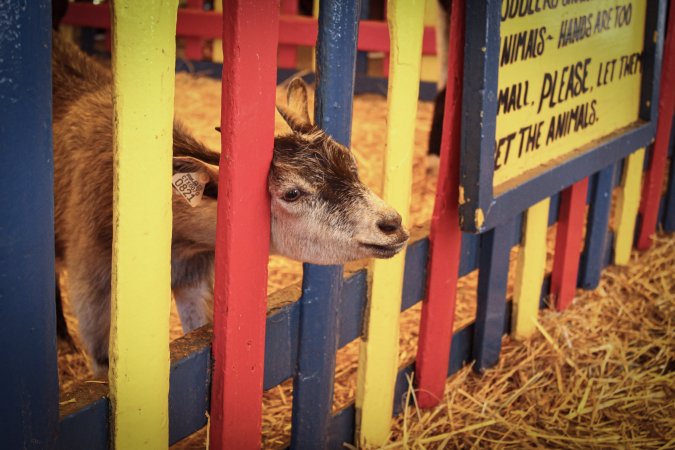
(530, 271)
(378, 357)
(194, 46)
(242, 242)
(322, 285)
(217, 44)
(568, 242)
(317, 344)
(493, 274)
(669, 213)
(288, 54)
(627, 206)
(144, 55)
(653, 186)
(597, 229)
(445, 238)
(29, 382)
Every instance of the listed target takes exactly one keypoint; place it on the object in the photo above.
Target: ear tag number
(189, 186)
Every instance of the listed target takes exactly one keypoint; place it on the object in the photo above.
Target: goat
(320, 210)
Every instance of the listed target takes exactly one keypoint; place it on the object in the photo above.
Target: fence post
(249, 42)
(288, 54)
(28, 384)
(445, 238)
(627, 206)
(322, 285)
(194, 47)
(597, 229)
(530, 270)
(144, 54)
(493, 273)
(568, 241)
(378, 360)
(653, 186)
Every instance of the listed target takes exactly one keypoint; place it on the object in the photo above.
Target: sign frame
(480, 209)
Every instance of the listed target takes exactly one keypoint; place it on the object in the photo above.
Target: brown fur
(334, 219)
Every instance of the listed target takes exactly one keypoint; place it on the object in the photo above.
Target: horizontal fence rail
(293, 30)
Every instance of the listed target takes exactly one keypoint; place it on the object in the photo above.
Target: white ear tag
(190, 186)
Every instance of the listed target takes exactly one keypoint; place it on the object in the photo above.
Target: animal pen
(485, 206)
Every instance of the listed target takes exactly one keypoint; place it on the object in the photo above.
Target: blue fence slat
(342, 428)
(353, 305)
(468, 254)
(403, 379)
(29, 393)
(189, 393)
(281, 345)
(491, 304)
(597, 228)
(320, 302)
(317, 344)
(88, 429)
(553, 209)
(415, 273)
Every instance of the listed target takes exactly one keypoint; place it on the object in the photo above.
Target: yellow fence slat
(530, 271)
(429, 69)
(217, 46)
(378, 359)
(144, 54)
(627, 206)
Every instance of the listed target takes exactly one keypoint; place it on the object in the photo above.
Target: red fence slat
(288, 55)
(194, 46)
(438, 310)
(569, 236)
(242, 238)
(653, 185)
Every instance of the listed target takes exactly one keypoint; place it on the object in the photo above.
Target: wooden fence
(158, 395)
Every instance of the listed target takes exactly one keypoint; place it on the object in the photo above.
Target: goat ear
(186, 164)
(296, 97)
(296, 114)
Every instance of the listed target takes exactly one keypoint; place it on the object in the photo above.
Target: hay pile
(601, 375)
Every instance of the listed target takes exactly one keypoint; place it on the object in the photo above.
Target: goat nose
(390, 224)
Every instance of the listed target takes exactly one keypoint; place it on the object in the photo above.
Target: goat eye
(291, 195)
